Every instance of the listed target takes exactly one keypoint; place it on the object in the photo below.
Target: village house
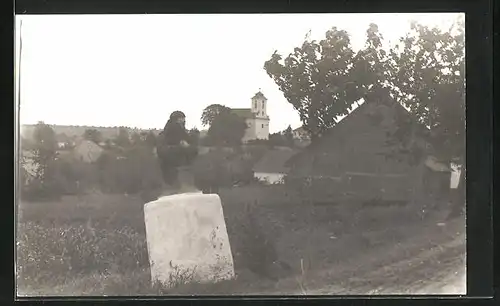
(255, 117)
(301, 138)
(352, 160)
(87, 151)
(300, 134)
(271, 167)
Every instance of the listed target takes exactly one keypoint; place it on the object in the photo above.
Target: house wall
(301, 135)
(261, 128)
(271, 178)
(258, 128)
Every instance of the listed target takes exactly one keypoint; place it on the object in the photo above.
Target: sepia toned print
(305, 154)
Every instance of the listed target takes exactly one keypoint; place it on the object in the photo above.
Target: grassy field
(96, 245)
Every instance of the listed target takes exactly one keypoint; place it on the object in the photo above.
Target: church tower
(259, 105)
(255, 117)
(259, 124)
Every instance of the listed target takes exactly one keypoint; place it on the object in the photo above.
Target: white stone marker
(187, 233)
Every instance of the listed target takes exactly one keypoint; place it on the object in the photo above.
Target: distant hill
(72, 131)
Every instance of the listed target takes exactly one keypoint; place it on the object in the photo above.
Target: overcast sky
(134, 70)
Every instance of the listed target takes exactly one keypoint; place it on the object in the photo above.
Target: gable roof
(243, 112)
(274, 161)
(89, 144)
(259, 95)
(300, 129)
(391, 103)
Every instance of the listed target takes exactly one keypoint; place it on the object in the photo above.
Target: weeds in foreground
(301, 280)
(52, 254)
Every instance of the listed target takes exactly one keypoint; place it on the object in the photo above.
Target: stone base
(187, 239)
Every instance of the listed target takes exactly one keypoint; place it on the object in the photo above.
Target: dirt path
(431, 263)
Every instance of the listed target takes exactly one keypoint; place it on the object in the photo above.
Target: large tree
(44, 155)
(372, 72)
(317, 80)
(288, 136)
(93, 135)
(227, 129)
(148, 138)
(211, 112)
(45, 149)
(123, 137)
(429, 81)
(194, 136)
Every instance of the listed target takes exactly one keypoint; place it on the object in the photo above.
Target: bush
(219, 168)
(49, 254)
(136, 170)
(130, 171)
(37, 188)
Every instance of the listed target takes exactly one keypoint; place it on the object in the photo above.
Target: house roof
(300, 129)
(274, 161)
(345, 119)
(243, 112)
(259, 95)
(88, 144)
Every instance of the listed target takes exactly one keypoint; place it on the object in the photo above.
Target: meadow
(95, 244)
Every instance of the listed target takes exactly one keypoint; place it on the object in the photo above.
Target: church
(256, 118)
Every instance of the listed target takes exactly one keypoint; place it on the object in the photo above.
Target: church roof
(259, 95)
(243, 112)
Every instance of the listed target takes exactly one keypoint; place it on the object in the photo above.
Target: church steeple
(259, 105)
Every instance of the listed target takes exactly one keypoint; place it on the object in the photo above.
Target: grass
(96, 244)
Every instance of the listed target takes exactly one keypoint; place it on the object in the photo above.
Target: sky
(134, 70)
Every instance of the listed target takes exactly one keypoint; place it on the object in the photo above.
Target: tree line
(127, 164)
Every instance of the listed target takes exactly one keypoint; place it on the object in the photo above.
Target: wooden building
(355, 161)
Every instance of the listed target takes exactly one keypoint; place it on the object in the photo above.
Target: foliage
(288, 136)
(43, 182)
(129, 170)
(123, 138)
(136, 139)
(317, 80)
(26, 143)
(227, 129)
(261, 142)
(276, 139)
(222, 168)
(77, 249)
(93, 135)
(211, 112)
(371, 69)
(194, 136)
(282, 139)
(97, 244)
(135, 170)
(429, 79)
